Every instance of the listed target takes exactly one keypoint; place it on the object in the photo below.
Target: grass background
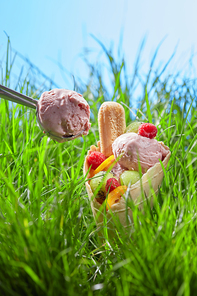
(48, 239)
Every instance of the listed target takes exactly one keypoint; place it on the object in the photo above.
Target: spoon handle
(16, 97)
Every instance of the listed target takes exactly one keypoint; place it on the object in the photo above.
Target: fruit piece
(133, 127)
(95, 159)
(147, 130)
(111, 184)
(105, 164)
(129, 177)
(111, 122)
(96, 180)
(101, 177)
(115, 195)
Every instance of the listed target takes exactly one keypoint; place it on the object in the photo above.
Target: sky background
(51, 32)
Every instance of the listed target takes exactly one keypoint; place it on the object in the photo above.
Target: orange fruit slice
(104, 164)
(115, 195)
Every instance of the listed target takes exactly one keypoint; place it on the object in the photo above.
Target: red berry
(95, 159)
(147, 130)
(111, 184)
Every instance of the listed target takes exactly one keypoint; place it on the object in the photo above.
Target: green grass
(48, 240)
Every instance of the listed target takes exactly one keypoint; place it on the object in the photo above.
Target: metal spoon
(16, 97)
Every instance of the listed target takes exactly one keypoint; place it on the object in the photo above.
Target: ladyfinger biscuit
(111, 122)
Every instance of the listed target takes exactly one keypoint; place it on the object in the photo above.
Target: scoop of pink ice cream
(63, 113)
(134, 147)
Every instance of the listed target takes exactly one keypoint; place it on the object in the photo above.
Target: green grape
(133, 127)
(96, 180)
(129, 177)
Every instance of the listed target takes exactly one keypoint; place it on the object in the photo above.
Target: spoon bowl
(16, 97)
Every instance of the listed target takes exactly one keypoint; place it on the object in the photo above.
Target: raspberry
(147, 130)
(95, 159)
(111, 184)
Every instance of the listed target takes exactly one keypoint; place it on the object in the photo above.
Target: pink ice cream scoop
(63, 113)
(135, 148)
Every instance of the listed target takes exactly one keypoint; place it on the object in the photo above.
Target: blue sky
(48, 32)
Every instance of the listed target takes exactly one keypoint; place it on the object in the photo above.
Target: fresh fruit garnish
(115, 195)
(111, 184)
(95, 159)
(147, 130)
(129, 177)
(101, 177)
(133, 127)
(105, 164)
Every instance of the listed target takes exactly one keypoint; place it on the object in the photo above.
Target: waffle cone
(149, 183)
(111, 121)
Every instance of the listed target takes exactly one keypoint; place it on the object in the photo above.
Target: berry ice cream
(63, 113)
(135, 148)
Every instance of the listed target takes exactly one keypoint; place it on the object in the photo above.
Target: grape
(133, 127)
(95, 182)
(129, 177)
